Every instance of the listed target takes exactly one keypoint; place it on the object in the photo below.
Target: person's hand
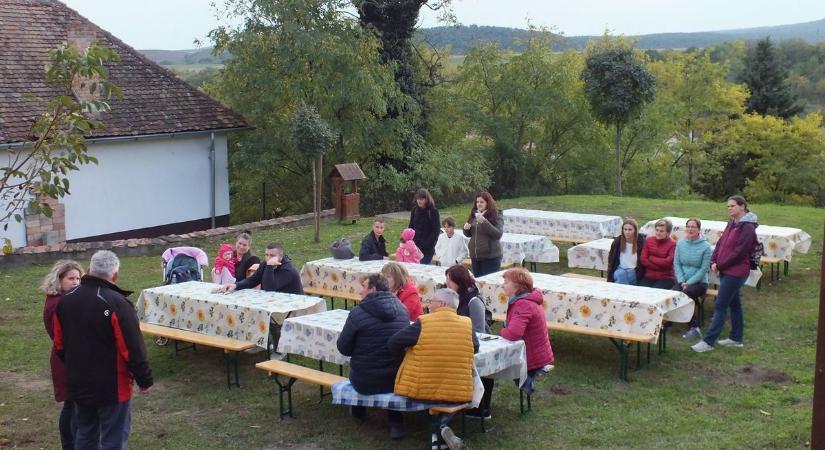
(467, 226)
(274, 261)
(480, 218)
(714, 268)
(684, 286)
(225, 288)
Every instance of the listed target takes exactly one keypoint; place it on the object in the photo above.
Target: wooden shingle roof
(154, 100)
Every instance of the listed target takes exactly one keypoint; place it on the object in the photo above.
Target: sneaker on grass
(731, 343)
(701, 347)
(452, 441)
(692, 333)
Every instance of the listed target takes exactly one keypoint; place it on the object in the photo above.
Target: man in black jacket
(277, 275)
(373, 246)
(364, 338)
(98, 336)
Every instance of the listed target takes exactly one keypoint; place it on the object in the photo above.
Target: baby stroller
(181, 264)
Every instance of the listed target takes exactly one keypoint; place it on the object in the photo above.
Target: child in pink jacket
(407, 250)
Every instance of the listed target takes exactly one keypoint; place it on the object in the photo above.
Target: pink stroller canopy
(194, 252)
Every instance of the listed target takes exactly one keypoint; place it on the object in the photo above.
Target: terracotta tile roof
(154, 99)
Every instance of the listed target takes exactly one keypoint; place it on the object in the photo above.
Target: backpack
(756, 255)
(182, 268)
(341, 249)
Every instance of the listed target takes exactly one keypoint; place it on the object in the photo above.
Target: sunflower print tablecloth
(595, 304)
(346, 275)
(779, 242)
(316, 335)
(590, 255)
(584, 227)
(516, 248)
(243, 315)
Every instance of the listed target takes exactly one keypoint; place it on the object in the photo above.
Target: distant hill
(463, 38)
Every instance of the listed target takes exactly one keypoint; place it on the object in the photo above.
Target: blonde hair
(51, 283)
(397, 272)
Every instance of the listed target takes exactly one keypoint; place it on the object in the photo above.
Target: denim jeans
(66, 426)
(102, 427)
(728, 297)
(483, 267)
(624, 276)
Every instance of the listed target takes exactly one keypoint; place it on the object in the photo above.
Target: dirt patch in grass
(26, 382)
(562, 389)
(750, 375)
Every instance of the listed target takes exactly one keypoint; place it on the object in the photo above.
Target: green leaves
(310, 132)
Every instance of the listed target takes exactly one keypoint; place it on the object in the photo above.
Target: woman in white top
(623, 265)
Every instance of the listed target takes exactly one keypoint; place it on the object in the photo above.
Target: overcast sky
(175, 24)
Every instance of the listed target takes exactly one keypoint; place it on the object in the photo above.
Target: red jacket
(525, 320)
(657, 257)
(408, 295)
(59, 379)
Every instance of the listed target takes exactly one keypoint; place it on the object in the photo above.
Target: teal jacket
(692, 261)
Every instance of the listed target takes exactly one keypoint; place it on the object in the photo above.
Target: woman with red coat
(657, 257)
(525, 318)
(64, 276)
(403, 286)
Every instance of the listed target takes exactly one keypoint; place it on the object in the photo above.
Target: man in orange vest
(438, 363)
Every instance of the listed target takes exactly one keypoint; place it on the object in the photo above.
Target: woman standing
(623, 265)
(63, 277)
(244, 256)
(403, 286)
(484, 228)
(691, 264)
(425, 221)
(731, 259)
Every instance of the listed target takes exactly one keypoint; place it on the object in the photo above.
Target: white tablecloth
(584, 227)
(315, 336)
(779, 242)
(243, 315)
(517, 248)
(346, 275)
(590, 255)
(595, 304)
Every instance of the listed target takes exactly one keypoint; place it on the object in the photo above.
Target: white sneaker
(701, 347)
(730, 343)
(692, 333)
(277, 356)
(452, 441)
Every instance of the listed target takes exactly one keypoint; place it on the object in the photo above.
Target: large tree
(766, 76)
(617, 85)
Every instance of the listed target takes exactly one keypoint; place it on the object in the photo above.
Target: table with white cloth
(243, 315)
(590, 255)
(561, 225)
(517, 248)
(344, 276)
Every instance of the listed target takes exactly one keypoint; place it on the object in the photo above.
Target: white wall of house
(146, 183)
(16, 231)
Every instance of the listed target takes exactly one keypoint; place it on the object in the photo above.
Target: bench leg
(623, 348)
(787, 268)
(231, 364)
(284, 388)
(321, 388)
(521, 403)
(648, 352)
(663, 341)
(178, 348)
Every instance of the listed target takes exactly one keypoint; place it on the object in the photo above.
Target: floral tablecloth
(516, 248)
(316, 335)
(590, 255)
(584, 227)
(243, 315)
(779, 242)
(595, 304)
(346, 275)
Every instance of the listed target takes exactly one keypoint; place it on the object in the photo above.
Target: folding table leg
(623, 347)
(281, 389)
(231, 363)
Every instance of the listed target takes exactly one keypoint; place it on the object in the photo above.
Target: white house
(163, 162)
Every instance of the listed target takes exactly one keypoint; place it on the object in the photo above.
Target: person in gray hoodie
(731, 259)
(691, 264)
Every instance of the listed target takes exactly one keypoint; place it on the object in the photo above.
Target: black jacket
(284, 278)
(244, 264)
(373, 249)
(427, 225)
(364, 338)
(613, 257)
(97, 335)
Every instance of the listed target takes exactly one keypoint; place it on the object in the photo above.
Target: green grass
(680, 400)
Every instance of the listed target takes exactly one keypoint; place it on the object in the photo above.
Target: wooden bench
(333, 295)
(293, 373)
(773, 263)
(229, 346)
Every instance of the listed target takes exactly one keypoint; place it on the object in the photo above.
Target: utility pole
(818, 422)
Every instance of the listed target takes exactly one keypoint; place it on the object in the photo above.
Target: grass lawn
(756, 397)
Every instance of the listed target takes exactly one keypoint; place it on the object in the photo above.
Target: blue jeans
(624, 276)
(66, 426)
(102, 427)
(483, 267)
(728, 297)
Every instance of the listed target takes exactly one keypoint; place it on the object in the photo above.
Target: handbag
(341, 249)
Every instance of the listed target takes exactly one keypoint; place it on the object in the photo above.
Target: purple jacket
(733, 251)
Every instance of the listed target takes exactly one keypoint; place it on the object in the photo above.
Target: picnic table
(243, 315)
(561, 226)
(344, 276)
(779, 242)
(316, 335)
(517, 248)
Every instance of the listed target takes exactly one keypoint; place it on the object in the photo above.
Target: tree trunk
(317, 183)
(618, 159)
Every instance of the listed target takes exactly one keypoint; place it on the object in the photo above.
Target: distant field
(192, 67)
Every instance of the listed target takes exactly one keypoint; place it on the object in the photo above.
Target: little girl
(224, 271)
(407, 250)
